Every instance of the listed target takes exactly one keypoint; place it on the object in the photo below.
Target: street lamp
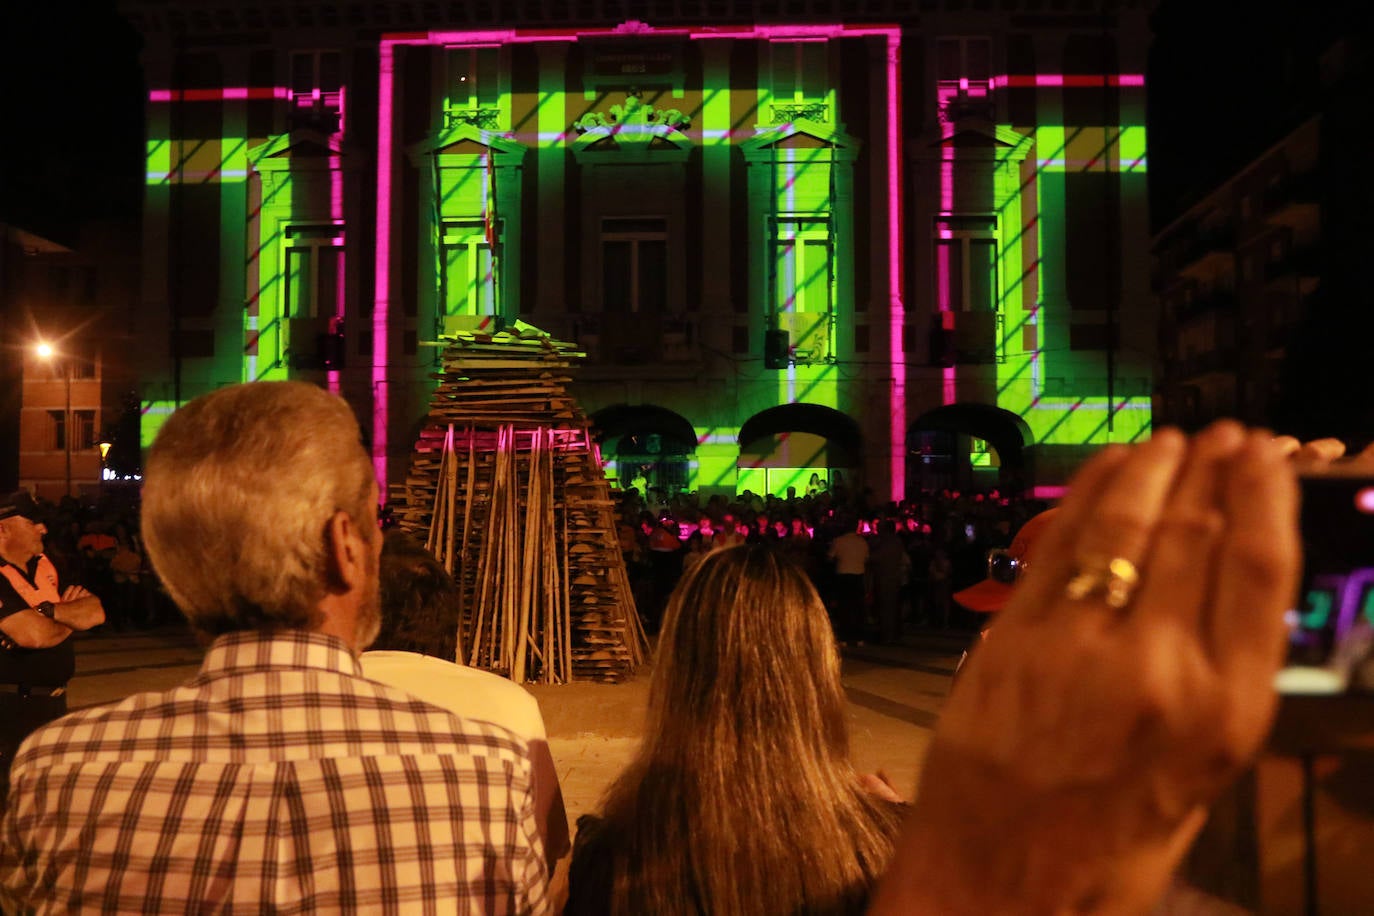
(45, 352)
(105, 447)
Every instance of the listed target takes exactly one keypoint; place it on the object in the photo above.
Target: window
(473, 86)
(317, 89)
(634, 264)
(57, 429)
(966, 263)
(83, 429)
(81, 366)
(314, 262)
(963, 77)
(799, 70)
(800, 83)
(469, 271)
(804, 284)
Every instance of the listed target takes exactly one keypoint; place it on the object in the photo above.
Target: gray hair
(239, 488)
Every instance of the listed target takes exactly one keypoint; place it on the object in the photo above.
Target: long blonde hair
(742, 799)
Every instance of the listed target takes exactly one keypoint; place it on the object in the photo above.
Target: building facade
(64, 322)
(901, 245)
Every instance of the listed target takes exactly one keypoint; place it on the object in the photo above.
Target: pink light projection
(336, 213)
(897, 312)
(219, 95)
(1072, 81)
(381, 306)
(949, 384)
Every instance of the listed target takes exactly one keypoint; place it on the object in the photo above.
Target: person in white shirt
(850, 553)
(418, 650)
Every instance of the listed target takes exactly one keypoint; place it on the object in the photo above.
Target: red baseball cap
(991, 594)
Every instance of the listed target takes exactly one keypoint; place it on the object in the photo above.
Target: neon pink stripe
(381, 307)
(218, 95)
(336, 213)
(1071, 81)
(897, 319)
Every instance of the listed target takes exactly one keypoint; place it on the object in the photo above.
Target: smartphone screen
(1331, 631)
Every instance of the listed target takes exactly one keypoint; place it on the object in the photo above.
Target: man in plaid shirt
(279, 778)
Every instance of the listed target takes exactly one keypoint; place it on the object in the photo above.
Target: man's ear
(348, 551)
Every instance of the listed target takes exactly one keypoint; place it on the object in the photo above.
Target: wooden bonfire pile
(507, 489)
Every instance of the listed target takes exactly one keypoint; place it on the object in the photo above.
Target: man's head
(259, 512)
(21, 531)
(419, 600)
(1005, 567)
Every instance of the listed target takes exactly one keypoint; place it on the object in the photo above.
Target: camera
(1331, 631)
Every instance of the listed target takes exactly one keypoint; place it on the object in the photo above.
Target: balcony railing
(481, 118)
(788, 112)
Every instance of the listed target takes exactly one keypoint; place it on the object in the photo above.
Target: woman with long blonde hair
(742, 799)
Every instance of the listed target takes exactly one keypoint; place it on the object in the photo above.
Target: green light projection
(801, 257)
(1030, 262)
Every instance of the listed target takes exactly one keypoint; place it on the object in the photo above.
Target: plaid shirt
(278, 780)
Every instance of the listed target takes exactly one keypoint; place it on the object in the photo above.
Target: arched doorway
(785, 446)
(645, 446)
(964, 446)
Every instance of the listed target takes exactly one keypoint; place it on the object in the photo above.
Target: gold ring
(1116, 578)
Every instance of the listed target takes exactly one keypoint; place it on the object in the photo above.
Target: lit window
(966, 263)
(804, 285)
(469, 271)
(314, 262)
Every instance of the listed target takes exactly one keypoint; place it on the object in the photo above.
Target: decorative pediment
(977, 139)
(801, 134)
(462, 142)
(632, 130)
(303, 146)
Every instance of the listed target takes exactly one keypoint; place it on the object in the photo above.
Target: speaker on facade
(776, 349)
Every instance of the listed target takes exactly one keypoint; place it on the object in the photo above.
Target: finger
(1044, 580)
(1258, 562)
(1318, 452)
(1126, 514)
(1176, 579)
(1289, 445)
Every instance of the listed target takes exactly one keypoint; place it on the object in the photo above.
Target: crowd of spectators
(923, 548)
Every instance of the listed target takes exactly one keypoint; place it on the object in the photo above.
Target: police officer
(37, 618)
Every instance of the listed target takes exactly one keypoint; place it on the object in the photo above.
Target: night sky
(1222, 87)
